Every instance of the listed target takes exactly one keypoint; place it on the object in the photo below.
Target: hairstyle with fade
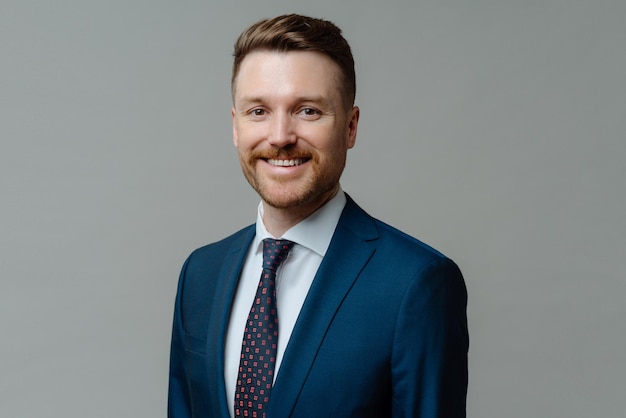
(299, 33)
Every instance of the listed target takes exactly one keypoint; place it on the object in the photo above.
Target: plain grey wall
(493, 130)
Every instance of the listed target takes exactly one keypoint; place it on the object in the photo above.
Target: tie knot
(274, 252)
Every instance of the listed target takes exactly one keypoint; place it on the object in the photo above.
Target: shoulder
(401, 241)
(218, 250)
(386, 238)
(405, 261)
(203, 268)
(404, 253)
(427, 283)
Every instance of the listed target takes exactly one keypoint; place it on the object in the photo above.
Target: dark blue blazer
(382, 332)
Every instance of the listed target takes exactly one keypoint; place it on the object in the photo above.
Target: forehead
(271, 73)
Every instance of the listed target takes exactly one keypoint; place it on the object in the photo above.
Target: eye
(258, 112)
(309, 112)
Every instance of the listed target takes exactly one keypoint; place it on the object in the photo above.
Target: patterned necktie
(260, 338)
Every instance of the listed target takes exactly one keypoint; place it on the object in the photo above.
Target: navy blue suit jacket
(382, 332)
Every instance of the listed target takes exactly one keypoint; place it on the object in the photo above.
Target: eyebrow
(321, 100)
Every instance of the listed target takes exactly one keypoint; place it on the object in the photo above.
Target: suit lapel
(220, 314)
(349, 251)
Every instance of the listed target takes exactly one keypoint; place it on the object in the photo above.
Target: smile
(287, 163)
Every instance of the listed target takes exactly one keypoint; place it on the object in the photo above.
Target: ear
(353, 122)
(235, 135)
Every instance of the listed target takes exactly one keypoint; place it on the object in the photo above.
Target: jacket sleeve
(429, 358)
(179, 403)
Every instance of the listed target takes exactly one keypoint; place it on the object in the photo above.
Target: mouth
(286, 163)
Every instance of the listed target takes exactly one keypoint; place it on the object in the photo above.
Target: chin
(284, 200)
(292, 198)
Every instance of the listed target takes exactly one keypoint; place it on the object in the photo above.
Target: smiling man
(317, 309)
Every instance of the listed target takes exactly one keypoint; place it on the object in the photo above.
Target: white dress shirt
(293, 279)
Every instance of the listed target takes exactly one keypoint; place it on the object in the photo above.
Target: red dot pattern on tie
(260, 339)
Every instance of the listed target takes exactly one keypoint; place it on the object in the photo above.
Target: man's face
(291, 127)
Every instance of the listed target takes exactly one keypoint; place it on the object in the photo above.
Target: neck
(277, 221)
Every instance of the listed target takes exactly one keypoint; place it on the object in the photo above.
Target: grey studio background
(493, 130)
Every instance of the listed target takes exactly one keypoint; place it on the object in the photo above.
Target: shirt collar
(313, 232)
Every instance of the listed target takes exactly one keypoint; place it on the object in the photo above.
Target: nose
(282, 131)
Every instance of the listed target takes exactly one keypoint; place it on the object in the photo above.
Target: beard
(314, 187)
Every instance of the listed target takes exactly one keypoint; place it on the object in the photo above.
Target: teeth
(286, 163)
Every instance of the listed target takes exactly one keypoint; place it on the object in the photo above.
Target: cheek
(249, 135)
(242, 141)
(325, 138)
(336, 146)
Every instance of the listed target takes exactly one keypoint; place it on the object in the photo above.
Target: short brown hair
(299, 33)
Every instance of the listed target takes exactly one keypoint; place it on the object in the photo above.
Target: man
(351, 318)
